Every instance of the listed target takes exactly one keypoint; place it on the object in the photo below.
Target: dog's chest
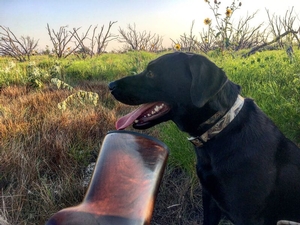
(205, 170)
(211, 176)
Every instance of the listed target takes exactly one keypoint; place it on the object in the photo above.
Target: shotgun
(124, 184)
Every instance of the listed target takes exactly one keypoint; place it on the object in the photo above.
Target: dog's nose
(112, 85)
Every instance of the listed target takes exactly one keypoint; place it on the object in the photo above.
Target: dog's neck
(220, 121)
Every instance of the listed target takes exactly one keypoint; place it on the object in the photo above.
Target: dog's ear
(207, 79)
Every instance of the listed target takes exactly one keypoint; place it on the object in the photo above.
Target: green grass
(44, 150)
(72, 70)
(181, 150)
(273, 81)
(270, 78)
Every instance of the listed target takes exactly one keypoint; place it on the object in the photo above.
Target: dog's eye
(150, 74)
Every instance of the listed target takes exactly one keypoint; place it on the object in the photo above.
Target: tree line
(220, 33)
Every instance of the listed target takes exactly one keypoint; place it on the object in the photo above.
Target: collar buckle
(196, 141)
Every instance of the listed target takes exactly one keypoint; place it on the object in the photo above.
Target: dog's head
(171, 86)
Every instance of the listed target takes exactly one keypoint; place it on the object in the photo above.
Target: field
(49, 134)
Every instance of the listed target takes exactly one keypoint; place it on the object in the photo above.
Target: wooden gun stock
(124, 184)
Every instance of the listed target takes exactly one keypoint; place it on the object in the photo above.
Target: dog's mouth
(143, 116)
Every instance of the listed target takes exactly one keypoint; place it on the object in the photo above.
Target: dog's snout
(112, 85)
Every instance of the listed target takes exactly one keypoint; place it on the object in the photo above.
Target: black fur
(250, 171)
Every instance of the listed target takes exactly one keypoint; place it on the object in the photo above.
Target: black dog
(248, 169)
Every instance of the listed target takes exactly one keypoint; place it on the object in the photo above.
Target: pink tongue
(128, 119)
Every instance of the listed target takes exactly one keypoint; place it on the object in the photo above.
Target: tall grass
(105, 67)
(270, 78)
(273, 81)
(44, 150)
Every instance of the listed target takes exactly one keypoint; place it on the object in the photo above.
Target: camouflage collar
(220, 125)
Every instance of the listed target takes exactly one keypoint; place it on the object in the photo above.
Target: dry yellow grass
(43, 150)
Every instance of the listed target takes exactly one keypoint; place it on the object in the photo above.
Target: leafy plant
(79, 98)
(36, 76)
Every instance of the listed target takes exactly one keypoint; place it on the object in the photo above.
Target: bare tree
(255, 49)
(19, 48)
(276, 27)
(102, 39)
(239, 36)
(83, 49)
(98, 41)
(188, 42)
(140, 40)
(62, 38)
(288, 25)
(155, 44)
(244, 36)
(281, 28)
(284, 25)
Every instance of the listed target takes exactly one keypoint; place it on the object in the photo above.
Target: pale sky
(168, 18)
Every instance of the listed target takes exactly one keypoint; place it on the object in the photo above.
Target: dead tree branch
(131, 37)
(140, 40)
(188, 42)
(285, 24)
(244, 36)
(288, 24)
(253, 50)
(61, 39)
(84, 50)
(103, 38)
(100, 41)
(18, 48)
(276, 26)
